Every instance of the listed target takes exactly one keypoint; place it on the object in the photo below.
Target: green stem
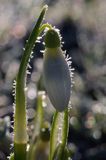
(52, 136)
(65, 128)
(55, 133)
(38, 124)
(20, 120)
(46, 25)
(20, 151)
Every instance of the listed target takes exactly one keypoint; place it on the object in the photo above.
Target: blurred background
(82, 24)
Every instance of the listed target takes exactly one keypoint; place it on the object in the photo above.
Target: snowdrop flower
(56, 72)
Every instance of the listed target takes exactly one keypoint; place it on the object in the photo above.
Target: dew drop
(29, 66)
(42, 51)
(28, 72)
(26, 88)
(31, 56)
(37, 41)
(39, 38)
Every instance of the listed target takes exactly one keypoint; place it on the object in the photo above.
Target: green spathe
(52, 39)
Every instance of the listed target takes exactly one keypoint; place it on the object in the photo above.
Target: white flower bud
(57, 78)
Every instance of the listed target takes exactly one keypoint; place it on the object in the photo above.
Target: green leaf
(20, 120)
